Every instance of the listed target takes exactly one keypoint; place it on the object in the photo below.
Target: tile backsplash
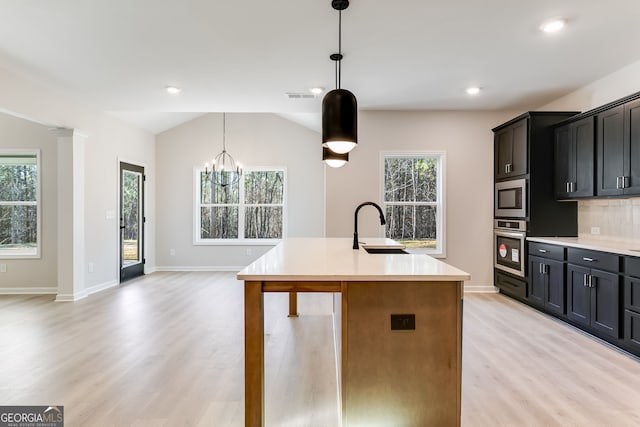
(616, 219)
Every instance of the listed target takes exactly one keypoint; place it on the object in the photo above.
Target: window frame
(199, 241)
(440, 250)
(4, 254)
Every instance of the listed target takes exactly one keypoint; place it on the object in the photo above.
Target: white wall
(253, 140)
(602, 91)
(107, 140)
(466, 138)
(617, 219)
(38, 275)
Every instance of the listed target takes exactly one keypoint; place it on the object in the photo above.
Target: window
(413, 200)
(20, 204)
(250, 211)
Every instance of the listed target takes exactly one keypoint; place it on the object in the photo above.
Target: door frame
(142, 230)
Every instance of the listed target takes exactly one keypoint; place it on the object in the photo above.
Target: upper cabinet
(618, 150)
(511, 150)
(574, 160)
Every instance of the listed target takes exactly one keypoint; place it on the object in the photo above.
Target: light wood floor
(167, 350)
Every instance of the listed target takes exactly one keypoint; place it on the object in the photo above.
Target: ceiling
(242, 56)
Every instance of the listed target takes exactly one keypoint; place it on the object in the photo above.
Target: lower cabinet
(510, 285)
(632, 330)
(593, 299)
(546, 280)
(596, 291)
(632, 304)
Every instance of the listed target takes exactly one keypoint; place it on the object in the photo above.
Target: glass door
(131, 221)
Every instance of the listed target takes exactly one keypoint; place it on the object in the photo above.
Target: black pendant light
(339, 106)
(332, 159)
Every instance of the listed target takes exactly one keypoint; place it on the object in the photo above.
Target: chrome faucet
(355, 221)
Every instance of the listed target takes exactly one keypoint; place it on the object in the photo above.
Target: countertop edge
(594, 245)
(372, 278)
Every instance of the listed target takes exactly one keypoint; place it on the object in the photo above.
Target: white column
(71, 248)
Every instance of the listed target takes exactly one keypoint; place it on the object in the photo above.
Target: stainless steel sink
(386, 250)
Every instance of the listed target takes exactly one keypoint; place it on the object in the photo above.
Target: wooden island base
(409, 376)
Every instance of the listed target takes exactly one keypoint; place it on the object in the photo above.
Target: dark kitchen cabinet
(618, 150)
(510, 285)
(511, 150)
(632, 304)
(524, 151)
(610, 154)
(593, 295)
(546, 278)
(574, 160)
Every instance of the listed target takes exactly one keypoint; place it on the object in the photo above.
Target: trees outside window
(413, 200)
(19, 204)
(251, 210)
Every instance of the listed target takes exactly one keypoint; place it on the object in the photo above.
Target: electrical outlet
(91, 267)
(3, 268)
(595, 230)
(403, 322)
(172, 252)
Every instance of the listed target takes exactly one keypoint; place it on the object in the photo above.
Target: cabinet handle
(587, 259)
(506, 168)
(540, 268)
(590, 281)
(619, 183)
(572, 187)
(625, 181)
(584, 280)
(544, 251)
(545, 270)
(566, 187)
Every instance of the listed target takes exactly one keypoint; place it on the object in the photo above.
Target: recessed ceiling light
(172, 89)
(553, 25)
(316, 90)
(474, 90)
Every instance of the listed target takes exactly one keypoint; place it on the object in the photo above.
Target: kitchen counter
(397, 321)
(596, 244)
(303, 259)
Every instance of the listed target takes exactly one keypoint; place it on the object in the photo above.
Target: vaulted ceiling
(245, 55)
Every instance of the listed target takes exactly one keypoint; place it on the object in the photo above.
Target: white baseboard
(480, 289)
(41, 290)
(101, 287)
(200, 268)
(149, 270)
(71, 297)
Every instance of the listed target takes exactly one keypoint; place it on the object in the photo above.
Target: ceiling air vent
(300, 95)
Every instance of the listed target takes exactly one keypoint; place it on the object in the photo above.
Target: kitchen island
(398, 324)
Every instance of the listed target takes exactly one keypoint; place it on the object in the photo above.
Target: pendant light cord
(339, 63)
(224, 131)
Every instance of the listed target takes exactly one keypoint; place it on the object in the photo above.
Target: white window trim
(440, 249)
(37, 203)
(198, 241)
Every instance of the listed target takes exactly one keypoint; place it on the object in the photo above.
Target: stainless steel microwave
(511, 199)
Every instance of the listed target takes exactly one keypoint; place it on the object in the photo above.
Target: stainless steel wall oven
(509, 246)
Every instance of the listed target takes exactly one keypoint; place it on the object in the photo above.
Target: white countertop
(333, 259)
(597, 244)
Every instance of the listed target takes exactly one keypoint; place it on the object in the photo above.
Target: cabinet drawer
(510, 285)
(594, 259)
(546, 251)
(632, 294)
(632, 266)
(632, 330)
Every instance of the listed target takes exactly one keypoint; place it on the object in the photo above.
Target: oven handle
(515, 235)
